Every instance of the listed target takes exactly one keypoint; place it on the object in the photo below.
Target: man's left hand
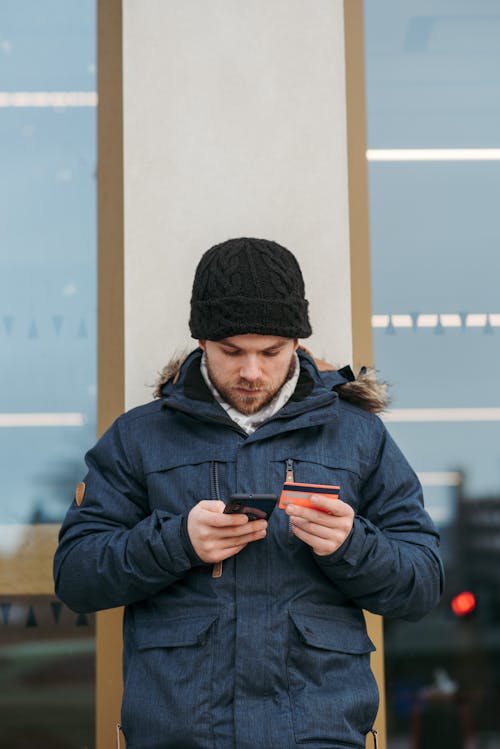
(324, 532)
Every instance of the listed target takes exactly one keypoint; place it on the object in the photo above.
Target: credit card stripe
(290, 496)
(311, 489)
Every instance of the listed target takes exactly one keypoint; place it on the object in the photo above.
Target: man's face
(248, 370)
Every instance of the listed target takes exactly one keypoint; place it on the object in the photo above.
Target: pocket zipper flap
(305, 456)
(160, 463)
(172, 633)
(332, 634)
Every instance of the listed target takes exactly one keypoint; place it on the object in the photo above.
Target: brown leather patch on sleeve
(80, 493)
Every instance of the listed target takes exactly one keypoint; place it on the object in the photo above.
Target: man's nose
(250, 369)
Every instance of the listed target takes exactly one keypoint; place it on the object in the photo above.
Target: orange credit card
(299, 494)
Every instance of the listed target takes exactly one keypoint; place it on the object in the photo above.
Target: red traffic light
(463, 603)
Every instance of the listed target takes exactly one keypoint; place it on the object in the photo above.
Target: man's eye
(230, 352)
(271, 353)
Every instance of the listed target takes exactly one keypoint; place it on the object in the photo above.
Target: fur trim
(365, 391)
(169, 372)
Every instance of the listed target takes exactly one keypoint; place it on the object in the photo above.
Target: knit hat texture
(248, 285)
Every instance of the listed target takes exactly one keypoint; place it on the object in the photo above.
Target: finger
(224, 548)
(326, 507)
(313, 529)
(229, 551)
(334, 506)
(212, 505)
(217, 517)
(308, 538)
(314, 516)
(256, 526)
(320, 546)
(243, 535)
(221, 520)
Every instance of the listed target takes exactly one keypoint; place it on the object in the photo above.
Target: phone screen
(254, 506)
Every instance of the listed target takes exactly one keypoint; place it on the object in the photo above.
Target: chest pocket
(176, 484)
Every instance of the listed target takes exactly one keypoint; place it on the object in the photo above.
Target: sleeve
(112, 550)
(390, 564)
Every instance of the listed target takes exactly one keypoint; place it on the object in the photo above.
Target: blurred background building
(433, 102)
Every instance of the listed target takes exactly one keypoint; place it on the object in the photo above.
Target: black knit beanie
(248, 285)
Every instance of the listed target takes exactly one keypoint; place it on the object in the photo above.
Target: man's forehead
(255, 341)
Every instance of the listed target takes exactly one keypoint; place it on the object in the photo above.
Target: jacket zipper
(214, 480)
(215, 495)
(289, 479)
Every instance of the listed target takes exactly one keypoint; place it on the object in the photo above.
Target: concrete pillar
(220, 119)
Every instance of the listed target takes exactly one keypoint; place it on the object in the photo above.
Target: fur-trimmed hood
(362, 390)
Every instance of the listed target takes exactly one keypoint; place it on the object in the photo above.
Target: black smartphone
(254, 506)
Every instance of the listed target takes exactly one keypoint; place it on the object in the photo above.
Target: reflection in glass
(48, 359)
(433, 78)
(47, 256)
(46, 674)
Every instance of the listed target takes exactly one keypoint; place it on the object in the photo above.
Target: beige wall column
(237, 118)
(361, 303)
(111, 323)
(234, 124)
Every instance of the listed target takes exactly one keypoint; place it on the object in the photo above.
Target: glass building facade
(433, 102)
(48, 356)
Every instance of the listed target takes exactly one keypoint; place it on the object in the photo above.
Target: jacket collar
(312, 402)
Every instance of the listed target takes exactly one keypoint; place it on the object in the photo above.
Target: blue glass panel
(47, 258)
(47, 351)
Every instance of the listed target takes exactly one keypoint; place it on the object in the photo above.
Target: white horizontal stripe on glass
(476, 321)
(433, 320)
(41, 420)
(440, 478)
(433, 154)
(48, 99)
(442, 414)
(402, 321)
(380, 321)
(450, 321)
(427, 321)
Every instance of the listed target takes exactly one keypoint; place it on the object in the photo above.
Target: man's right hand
(216, 536)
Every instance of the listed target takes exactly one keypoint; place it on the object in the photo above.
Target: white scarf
(250, 422)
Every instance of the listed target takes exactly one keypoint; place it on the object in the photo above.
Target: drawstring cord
(118, 736)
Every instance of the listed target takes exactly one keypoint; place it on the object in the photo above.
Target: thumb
(212, 505)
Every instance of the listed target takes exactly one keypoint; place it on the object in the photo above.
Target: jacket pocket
(176, 485)
(167, 682)
(333, 693)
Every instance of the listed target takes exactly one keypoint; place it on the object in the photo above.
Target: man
(249, 633)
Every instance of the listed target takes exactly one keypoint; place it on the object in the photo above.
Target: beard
(249, 397)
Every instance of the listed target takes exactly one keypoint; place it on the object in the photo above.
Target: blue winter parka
(274, 653)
